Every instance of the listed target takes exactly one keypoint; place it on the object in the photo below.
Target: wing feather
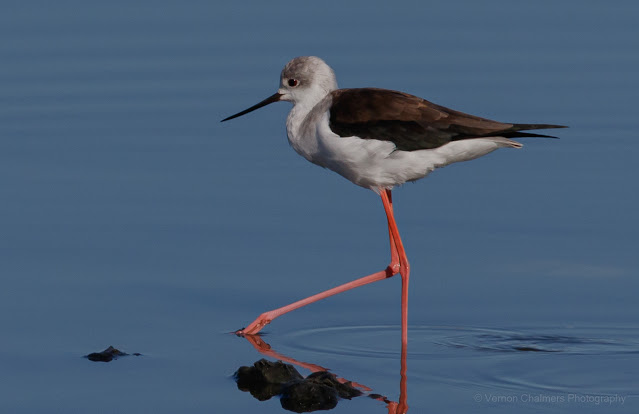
(410, 122)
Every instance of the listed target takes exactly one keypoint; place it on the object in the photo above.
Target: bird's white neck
(301, 120)
(302, 107)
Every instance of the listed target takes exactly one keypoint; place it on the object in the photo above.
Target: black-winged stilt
(377, 139)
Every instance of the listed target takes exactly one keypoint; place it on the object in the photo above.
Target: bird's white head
(305, 80)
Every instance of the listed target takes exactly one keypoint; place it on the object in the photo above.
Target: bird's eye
(293, 82)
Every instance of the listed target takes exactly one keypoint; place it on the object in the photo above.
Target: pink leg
(398, 261)
(404, 266)
(394, 264)
(400, 407)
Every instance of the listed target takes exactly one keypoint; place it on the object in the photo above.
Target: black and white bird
(377, 139)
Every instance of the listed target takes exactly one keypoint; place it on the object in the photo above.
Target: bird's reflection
(321, 390)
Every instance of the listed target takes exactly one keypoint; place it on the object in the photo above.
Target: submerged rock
(107, 355)
(265, 378)
(319, 391)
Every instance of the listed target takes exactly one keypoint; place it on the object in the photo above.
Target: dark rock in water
(319, 391)
(265, 378)
(306, 396)
(107, 355)
(277, 372)
(344, 390)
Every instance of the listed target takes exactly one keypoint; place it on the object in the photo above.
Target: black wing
(410, 122)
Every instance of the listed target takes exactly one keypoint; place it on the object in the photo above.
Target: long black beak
(273, 98)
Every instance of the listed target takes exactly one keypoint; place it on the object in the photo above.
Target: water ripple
(524, 362)
(449, 341)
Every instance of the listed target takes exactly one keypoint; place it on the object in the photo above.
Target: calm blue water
(131, 217)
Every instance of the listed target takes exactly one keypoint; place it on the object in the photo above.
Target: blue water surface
(130, 216)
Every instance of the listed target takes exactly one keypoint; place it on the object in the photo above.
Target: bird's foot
(255, 326)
